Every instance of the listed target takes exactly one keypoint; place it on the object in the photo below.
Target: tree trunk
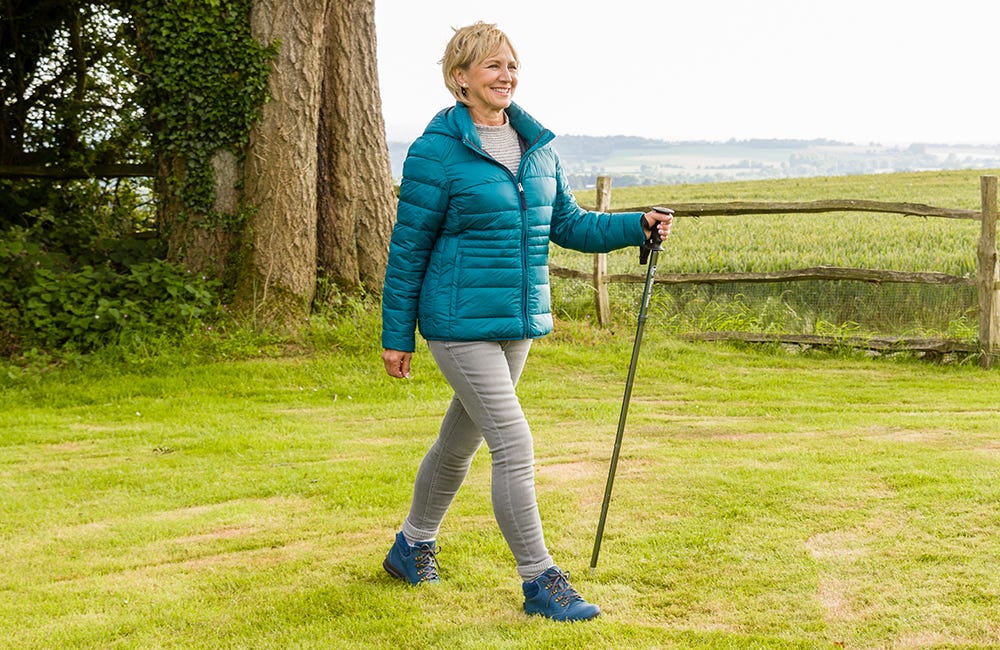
(356, 202)
(277, 276)
(199, 237)
(198, 242)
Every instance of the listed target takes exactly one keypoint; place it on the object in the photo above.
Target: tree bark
(199, 242)
(277, 276)
(356, 202)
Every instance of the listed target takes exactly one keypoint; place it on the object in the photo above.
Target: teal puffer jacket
(468, 259)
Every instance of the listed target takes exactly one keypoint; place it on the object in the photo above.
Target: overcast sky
(888, 71)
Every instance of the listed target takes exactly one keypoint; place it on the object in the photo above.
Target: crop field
(759, 243)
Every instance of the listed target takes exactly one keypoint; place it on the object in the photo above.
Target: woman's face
(490, 83)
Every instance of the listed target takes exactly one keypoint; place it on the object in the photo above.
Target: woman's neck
(488, 118)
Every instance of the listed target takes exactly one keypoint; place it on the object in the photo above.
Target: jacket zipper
(525, 271)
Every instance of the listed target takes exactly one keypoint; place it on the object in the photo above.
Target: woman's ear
(459, 75)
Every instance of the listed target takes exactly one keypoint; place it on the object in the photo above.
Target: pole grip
(653, 242)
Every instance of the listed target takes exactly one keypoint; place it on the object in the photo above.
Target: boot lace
(560, 590)
(425, 557)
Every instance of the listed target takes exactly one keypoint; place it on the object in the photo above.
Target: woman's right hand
(397, 363)
(662, 220)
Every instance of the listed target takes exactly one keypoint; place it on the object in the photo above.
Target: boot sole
(393, 571)
(563, 620)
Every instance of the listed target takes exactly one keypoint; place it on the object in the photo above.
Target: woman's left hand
(662, 221)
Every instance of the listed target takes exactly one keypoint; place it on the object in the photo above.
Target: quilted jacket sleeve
(423, 201)
(590, 232)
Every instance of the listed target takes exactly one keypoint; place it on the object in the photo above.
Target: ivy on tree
(204, 82)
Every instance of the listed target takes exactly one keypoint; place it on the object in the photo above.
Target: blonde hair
(470, 45)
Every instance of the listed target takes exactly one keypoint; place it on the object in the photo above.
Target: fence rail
(812, 273)
(987, 278)
(70, 172)
(736, 208)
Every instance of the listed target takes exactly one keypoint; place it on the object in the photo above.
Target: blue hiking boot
(415, 564)
(551, 595)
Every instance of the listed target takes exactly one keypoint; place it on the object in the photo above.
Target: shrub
(52, 301)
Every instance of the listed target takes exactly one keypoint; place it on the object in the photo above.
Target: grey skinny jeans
(483, 375)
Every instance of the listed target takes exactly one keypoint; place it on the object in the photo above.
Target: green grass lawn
(763, 500)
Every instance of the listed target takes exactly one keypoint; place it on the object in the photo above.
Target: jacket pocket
(438, 293)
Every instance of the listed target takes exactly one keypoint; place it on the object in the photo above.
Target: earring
(465, 91)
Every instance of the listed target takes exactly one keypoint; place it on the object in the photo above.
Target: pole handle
(654, 242)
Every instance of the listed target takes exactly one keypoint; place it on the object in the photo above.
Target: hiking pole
(650, 250)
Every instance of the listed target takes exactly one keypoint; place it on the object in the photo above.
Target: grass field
(773, 242)
(781, 242)
(762, 501)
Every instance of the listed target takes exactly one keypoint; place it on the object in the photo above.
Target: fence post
(988, 274)
(601, 259)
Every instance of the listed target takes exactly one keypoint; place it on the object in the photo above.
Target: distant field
(644, 161)
(653, 161)
(778, 242)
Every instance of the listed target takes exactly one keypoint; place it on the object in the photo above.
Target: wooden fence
(987, 278)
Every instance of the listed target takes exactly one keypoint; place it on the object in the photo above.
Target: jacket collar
(457, 122)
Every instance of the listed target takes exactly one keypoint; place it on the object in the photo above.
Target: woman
(481, 197)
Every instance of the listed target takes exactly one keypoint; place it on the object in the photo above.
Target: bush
(52, 301)
(81, 266)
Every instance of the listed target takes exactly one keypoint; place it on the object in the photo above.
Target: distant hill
(632, 160)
